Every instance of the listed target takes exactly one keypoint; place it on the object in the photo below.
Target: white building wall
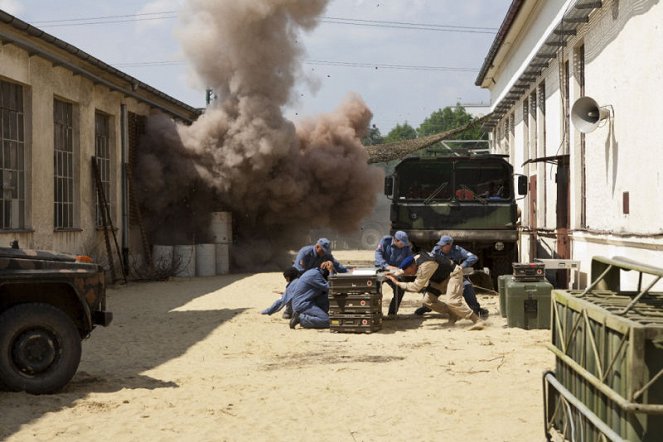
(624, 68)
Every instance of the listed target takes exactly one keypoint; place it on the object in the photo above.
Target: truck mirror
(389, 186)
(522, 185)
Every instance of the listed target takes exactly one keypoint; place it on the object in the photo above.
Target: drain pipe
(124, 146)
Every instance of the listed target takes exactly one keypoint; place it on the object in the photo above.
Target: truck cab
(49, 302)
(470, 197)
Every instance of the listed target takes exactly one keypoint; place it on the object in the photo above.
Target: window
(12, 164)
(63, 164)
(103, 157)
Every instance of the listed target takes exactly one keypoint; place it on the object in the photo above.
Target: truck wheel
(502, 265)
(40, 348)
(370, 237)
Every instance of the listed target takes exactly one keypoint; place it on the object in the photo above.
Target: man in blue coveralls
(308, 297)
(445, 247)
(312, 256)
(290, 275)
(389, 254)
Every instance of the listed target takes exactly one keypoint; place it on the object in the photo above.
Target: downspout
(124, 146)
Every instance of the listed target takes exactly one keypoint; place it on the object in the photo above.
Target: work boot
(295, 320)
(452, 319)
(479, 324)
(482, 313)
(421, 310)
(287, 315)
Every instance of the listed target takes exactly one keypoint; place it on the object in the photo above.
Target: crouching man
(310, 301)
(437, 275)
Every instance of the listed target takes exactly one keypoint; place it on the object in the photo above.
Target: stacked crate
(608, 346)
(355, 303)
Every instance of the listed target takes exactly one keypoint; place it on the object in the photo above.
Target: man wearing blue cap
(464, 258)
(312, 256)
(389, 254)
(437, 275)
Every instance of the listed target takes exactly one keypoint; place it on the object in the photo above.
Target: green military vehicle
(470, 197)
(49, 302)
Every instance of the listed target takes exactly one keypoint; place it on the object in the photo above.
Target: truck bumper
(102, 318)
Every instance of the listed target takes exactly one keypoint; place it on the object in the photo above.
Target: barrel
(222, 259)
(205, 259)
(162, 257)
(221, 227)
(184, 258)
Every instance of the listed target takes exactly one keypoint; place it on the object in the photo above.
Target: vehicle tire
(40, 348)
(370, 237)
(502, 265)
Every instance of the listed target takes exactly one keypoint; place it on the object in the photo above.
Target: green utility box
(528, 304)
(608, 346)
(501, 289)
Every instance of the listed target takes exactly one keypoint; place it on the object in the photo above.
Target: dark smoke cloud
(278, 179)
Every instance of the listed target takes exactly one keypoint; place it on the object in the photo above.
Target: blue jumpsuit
(307, 259)
(308, 297)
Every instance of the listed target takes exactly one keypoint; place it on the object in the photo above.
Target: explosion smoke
(243, 155)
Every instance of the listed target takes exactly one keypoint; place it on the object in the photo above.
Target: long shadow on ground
(143, 327)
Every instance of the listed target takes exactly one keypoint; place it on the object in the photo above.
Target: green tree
(449, 118)
(401, 132)
(373, 137)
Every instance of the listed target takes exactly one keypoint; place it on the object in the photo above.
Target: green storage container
(501, 289)
(608, 346)
(528, 304)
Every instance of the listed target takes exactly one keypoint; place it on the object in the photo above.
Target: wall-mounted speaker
(586, 114)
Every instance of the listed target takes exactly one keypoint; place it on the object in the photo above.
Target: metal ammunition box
(350, 283)
(527, 304)
(529, 271)
(365, 303)
(608, 346)
(355, 323)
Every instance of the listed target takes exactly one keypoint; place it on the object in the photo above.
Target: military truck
(470, 197)
(49, 302)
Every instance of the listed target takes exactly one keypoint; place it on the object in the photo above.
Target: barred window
(12, 164)
(63, 164)
(103, 157)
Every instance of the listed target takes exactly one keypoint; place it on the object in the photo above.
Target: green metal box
(501, 289)
(528, 304)
(365, 303)
(608, 346)
(347, 323)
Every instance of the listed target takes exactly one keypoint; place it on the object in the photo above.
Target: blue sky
(347, 55)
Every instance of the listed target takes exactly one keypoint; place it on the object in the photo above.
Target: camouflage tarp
(381, 153)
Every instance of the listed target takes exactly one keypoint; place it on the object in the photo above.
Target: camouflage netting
(381, 153)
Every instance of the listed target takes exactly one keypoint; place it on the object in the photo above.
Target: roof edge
(509, 19)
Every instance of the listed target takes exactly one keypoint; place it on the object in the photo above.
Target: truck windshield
(461, 180)
(425, 181)
(482, 181)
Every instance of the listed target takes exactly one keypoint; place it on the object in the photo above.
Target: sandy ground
(192, 359)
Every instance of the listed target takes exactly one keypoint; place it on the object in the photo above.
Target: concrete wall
(624, 69)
